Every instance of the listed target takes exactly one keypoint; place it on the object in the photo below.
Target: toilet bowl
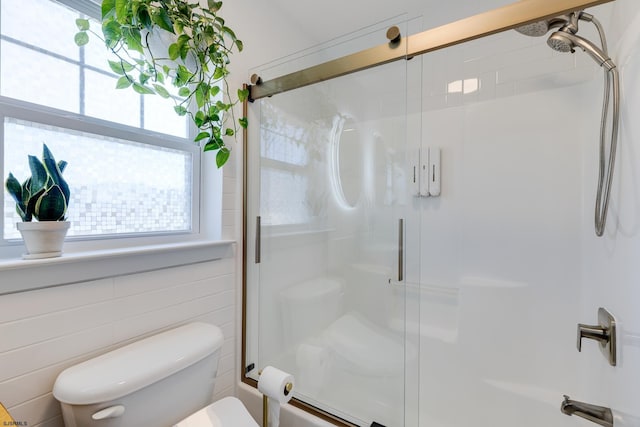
(160, 381)
(227, 412)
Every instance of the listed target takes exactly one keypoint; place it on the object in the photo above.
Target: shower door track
(483, 24)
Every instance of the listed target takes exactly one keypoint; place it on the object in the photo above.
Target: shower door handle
(258, 239)
(400, 249)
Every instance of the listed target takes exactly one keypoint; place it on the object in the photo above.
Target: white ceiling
(327, 19)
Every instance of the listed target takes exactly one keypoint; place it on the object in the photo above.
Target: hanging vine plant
(158, 43)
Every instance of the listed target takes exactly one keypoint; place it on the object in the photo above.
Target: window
(132, 167)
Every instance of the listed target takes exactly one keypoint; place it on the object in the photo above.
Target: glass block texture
(118, 187)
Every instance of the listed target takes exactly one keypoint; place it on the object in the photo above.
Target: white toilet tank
(155, 382)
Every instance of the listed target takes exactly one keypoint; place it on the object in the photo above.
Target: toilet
(161, 381)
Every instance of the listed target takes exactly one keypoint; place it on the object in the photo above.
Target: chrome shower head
(563, 41)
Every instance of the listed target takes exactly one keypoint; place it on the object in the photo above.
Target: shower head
(540, 28)
(563, 41)
(534, 29)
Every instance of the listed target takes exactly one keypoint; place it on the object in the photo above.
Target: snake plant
(43, 196)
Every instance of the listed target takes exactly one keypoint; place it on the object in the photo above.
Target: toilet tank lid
(137, 365)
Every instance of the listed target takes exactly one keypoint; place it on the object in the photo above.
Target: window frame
(48, 116)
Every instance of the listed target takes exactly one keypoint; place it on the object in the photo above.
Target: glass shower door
(326, 301)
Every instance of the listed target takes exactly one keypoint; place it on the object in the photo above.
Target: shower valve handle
(598, 333)
(604, 333)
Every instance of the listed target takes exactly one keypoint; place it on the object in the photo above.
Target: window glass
(104, 101)
(117, 186)
(128, 183)
(40, 63)
(22, 77)
(40, 24)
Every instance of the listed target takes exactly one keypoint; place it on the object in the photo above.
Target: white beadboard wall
(45, 331)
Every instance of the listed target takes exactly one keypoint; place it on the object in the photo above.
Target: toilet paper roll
(273, 382)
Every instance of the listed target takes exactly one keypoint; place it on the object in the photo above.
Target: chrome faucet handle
(594, 332)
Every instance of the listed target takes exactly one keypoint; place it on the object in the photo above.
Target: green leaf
(144, 18)
(144, 78)
(123, 83)
(214, 91)
(81, 38)
(14, 188)
(199, 119)
(143, 90)
(243, 94)
(133, 39)
(120, 67)
(222, 156)
(30, 206)
(229, 132)
(121, 10)
(108, 8)
(183, 76)
(218, 73)
(82, 24)
(200, 95)
(51, 205)
(240, 45)
(212, 145)
(162, 20)
(243, 122)
(160, 90)
(54, 172)
(230, 32)
(184, 91)
(214, 6)
(199, 137)
(180, 110)
(62, 165)
(112, 32)
(38, 174)
(174, 51)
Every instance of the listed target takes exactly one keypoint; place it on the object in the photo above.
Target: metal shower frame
(484, 24)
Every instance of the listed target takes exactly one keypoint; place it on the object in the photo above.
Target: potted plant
(43, 197)
(179, 43)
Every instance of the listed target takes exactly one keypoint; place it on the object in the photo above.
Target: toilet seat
(227, 412)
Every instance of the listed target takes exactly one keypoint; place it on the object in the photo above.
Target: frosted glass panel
(117, 186)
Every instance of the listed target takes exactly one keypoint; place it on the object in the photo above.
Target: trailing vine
(195, 61)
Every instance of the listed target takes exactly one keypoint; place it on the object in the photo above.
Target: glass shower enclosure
(418, 234)
(326, 219)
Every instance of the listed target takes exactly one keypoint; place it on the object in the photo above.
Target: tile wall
(45, 331)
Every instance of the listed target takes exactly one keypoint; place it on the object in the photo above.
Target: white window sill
(17, 275)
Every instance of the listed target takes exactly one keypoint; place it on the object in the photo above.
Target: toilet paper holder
(265, 402)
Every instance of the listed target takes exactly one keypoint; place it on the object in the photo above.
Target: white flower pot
(43, 239)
